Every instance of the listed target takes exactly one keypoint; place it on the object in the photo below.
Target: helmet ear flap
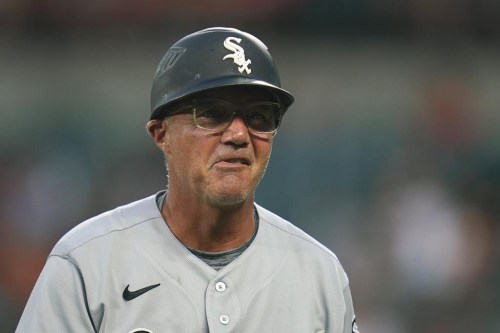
(212, 58)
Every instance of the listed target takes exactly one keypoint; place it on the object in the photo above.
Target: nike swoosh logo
(130, 295)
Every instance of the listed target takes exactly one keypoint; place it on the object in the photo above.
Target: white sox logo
(239, 54)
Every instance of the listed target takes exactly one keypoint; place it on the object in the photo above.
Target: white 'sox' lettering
(239, 54)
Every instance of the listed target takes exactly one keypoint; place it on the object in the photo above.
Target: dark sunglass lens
(263, 117)
(213, 115)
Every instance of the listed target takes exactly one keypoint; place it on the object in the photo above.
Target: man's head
(216, 126)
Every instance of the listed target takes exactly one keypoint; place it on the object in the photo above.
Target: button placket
(223, 306)
(221, 287)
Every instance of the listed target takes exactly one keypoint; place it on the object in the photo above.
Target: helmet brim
(162, 108)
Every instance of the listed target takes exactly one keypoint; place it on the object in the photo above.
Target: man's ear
(157, 129)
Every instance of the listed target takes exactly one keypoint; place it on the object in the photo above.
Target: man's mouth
(236, 161)
(243, 161)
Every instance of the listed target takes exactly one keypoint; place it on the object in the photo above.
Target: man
(201, 256)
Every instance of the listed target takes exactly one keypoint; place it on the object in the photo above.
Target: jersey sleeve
(57, 302)
(350, 325)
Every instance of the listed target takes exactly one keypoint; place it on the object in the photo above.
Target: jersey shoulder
(298, 237)
(107, 224)
(304, 248)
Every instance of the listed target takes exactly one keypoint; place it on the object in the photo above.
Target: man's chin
(231, 191)
(228, 199)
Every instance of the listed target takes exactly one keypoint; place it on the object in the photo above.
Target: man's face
(217, 167)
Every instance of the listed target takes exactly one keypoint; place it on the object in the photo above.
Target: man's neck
(209, 228)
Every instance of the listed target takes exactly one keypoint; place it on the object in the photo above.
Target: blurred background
(390, 155)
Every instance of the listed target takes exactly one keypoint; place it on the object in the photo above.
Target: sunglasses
(216, 115)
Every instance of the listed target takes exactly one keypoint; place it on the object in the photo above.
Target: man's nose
(237, 132)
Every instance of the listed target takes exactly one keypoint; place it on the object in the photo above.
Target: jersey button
(224, 319)
(220, 286)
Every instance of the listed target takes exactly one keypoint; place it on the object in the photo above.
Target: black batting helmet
(212, 58)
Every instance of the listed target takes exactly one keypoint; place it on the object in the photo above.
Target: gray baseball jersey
(124, 271)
